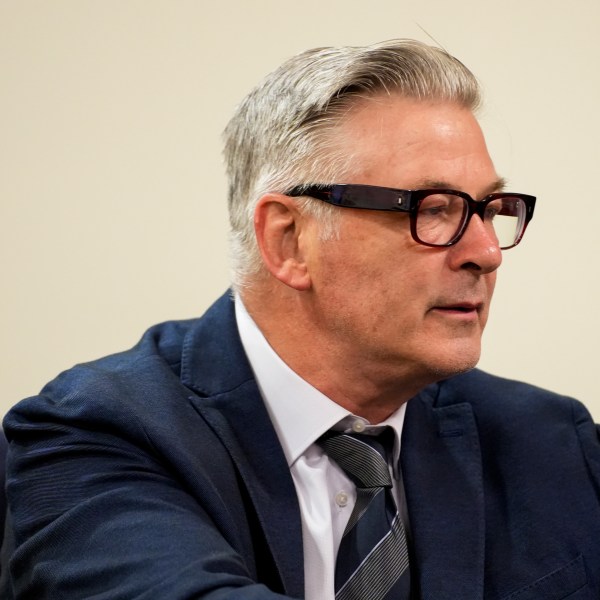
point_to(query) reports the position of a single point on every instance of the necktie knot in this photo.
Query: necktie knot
(364, 458)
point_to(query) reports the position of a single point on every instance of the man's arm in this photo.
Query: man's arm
(97, 512)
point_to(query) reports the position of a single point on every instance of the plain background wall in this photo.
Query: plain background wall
(112, 193)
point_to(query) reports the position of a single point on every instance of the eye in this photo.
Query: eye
(501, 206)
(433, 210)
(440, 206)
(492, 209)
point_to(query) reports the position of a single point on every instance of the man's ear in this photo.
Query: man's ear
(281, 234)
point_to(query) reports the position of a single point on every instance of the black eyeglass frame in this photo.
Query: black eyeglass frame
(372, 197)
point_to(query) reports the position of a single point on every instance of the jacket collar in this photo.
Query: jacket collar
(215, 366)
(213, 360)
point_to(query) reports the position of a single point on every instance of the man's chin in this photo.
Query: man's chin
(455, 364)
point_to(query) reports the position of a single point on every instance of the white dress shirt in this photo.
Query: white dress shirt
(301, 414)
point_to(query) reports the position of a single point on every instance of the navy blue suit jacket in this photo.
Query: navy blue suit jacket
(156, 473)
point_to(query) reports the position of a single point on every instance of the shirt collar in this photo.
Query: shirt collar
(300, 413)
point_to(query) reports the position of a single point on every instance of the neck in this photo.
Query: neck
(370, 389)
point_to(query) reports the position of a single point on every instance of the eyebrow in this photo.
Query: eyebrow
(499, 185)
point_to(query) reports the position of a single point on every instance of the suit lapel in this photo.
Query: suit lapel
(441, 465)
(215, 366)
(255, 450)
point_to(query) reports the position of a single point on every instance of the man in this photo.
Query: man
(225, 457)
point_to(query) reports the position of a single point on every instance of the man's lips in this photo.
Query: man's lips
(459, 308)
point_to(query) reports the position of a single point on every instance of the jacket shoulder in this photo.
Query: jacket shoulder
(512, 415)
(490, 394)
(109, 388)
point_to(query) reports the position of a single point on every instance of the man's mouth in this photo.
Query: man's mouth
(461, 307)
(465, 308)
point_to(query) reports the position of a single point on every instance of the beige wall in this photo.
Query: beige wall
(112, 192)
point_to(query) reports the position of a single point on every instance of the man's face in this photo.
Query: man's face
(397, 309)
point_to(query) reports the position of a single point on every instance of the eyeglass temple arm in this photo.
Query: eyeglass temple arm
(359, 196)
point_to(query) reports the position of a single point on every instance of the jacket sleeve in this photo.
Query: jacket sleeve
(97, 514)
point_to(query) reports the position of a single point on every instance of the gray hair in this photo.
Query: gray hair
(280, 135)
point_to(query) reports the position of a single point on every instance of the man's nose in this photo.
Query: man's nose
(477, 249)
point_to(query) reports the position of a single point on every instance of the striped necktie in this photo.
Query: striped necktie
(372, 561)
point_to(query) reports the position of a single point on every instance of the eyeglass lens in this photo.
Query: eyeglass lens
(441, 218)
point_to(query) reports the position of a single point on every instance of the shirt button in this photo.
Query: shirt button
(358, 426)
(341, 499)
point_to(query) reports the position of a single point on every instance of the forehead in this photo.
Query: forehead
(402, 142)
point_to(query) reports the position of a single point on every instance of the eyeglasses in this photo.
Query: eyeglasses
(438, 217)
